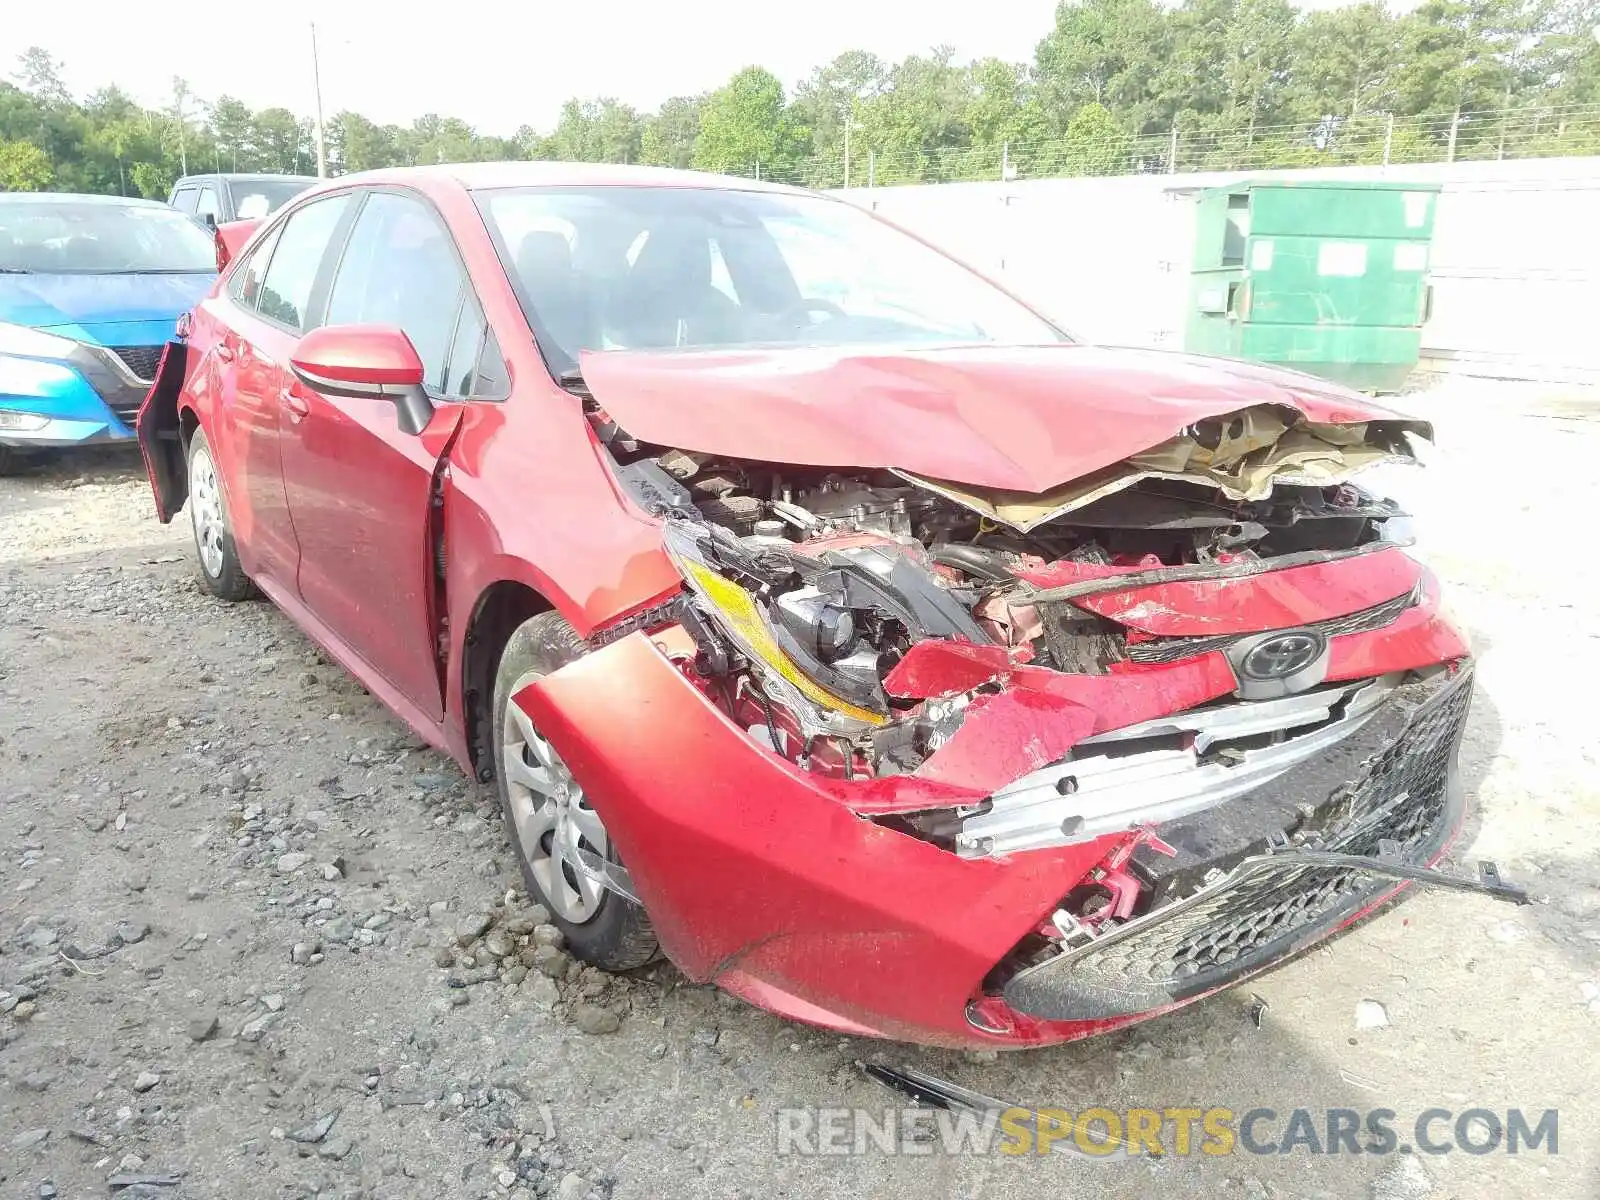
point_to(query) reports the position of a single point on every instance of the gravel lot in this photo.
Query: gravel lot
(236, 898)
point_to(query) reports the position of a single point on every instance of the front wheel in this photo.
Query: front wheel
(549, 818)
(213, 532)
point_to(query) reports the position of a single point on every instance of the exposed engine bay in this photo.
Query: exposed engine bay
(811, 585)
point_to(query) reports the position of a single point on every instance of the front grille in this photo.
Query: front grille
(1266, 908)
(141, 360)
(1171, 649)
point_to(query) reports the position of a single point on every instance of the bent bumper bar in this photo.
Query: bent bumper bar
(1111, 784)
(1404, 800)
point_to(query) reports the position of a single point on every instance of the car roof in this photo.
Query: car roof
(485, 175)
(247, 177)
(77, 198)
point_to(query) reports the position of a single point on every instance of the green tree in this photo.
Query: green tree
(1104, 52)
(39, 73)
(745, 125)
(279, 141)
(154, 180)
(1094, 144)
(1246, 84)
(829, 103)
(233, 126)
(917, 125)
(118, 138)
(1465, 57)
(666, 137)
(23, 168)
(603, 130)
(1344, 62)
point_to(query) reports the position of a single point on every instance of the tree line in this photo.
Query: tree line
(1115, 86)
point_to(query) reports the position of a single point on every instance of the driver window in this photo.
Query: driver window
(400, 268)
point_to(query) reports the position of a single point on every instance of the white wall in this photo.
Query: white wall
(1516, 254)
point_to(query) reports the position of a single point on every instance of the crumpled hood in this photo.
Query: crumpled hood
(1022, 419)
(74, 305)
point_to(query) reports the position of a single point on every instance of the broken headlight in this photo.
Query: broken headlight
(717, 570)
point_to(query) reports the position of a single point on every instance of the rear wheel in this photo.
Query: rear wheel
(213, 533)
(549, 818)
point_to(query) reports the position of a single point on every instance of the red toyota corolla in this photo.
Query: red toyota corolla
(827, 619)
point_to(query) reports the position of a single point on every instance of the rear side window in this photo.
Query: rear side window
(244, 285)
(290, 276)
(400, 268)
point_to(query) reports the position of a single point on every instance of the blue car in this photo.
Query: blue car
(91, 289)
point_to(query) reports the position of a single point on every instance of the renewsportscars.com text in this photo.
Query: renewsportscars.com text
(1103, 1132)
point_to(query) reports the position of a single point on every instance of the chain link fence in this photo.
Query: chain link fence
(1541, 132)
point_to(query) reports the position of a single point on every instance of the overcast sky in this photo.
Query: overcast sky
(497, 64)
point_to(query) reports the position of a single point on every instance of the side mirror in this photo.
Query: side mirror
(209, 220)
(373, 362)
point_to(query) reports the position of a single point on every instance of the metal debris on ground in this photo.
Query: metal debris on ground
(924, 1089)
(1258, 1008)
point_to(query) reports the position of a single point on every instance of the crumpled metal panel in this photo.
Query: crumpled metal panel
(1015, 418)
(1262, 911)
(1165, 650)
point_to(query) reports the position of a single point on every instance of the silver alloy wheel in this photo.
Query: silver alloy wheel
(205, 510)
(552, 816)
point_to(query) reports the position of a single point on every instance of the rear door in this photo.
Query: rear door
(275, 296)
(360, 491)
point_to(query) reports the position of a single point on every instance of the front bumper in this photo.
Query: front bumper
(1392, 785)
(87, 397)
(777, 884)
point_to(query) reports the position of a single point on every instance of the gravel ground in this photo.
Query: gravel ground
(255, 941)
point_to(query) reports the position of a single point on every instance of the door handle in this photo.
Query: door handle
(224, 352)
(299, 408)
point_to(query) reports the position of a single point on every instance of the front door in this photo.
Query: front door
(360, 491)
(274, 295)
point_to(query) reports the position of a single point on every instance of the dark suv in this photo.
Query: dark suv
(213, 199)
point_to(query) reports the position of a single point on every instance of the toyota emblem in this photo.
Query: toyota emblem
(1282, 656)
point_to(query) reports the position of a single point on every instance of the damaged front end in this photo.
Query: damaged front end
(1189, 675)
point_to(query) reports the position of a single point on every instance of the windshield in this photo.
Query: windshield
(601, 268)
(258, 197)
(84, 238)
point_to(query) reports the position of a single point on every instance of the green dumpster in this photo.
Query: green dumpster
(1328, 277)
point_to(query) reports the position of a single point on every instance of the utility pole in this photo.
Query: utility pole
(1172, 151)
(316, 84)
(872, 168)
(180, 92)
(847, 125)
(1388, 138)
(1505, 114)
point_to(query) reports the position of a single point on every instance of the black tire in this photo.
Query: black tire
(619, 936)
(223, 577)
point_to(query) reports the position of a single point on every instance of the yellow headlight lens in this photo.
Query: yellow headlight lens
(743, 620)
